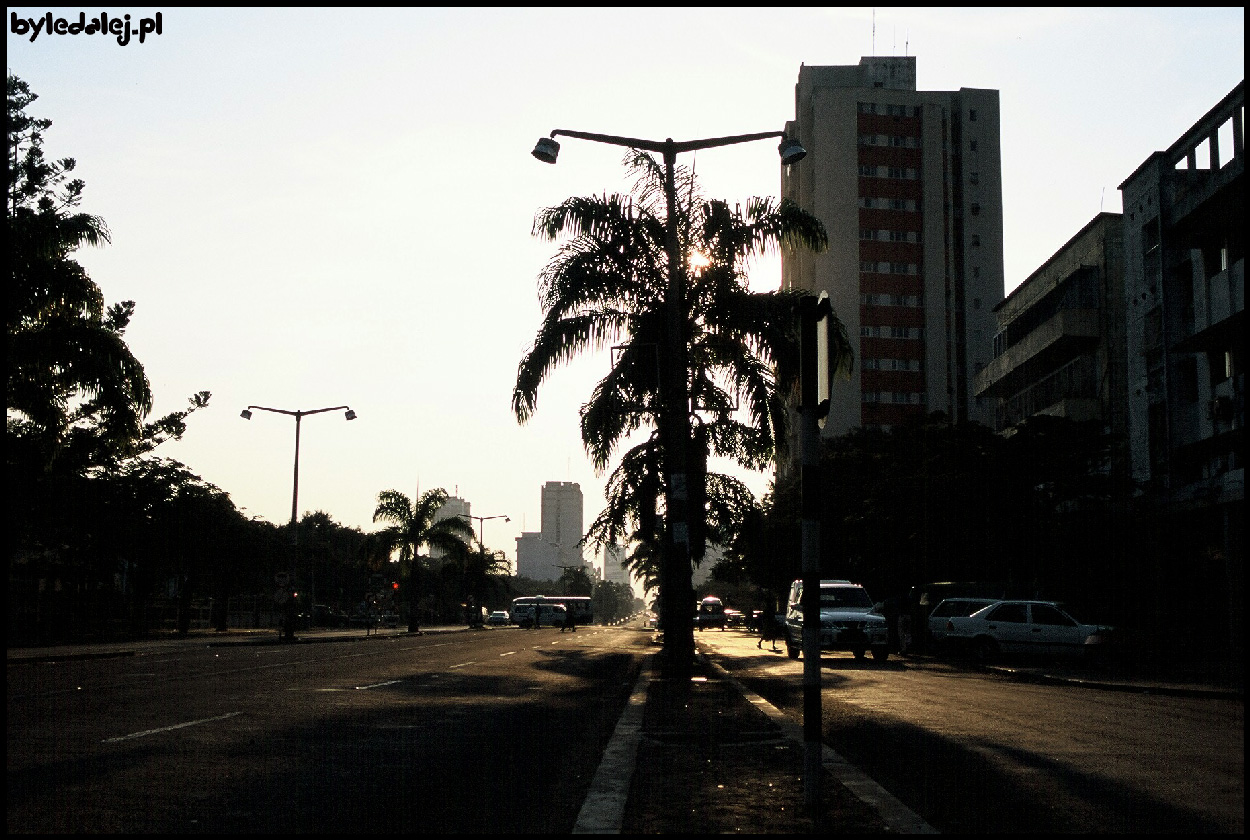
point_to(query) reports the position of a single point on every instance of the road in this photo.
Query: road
(501, 731)
(977, 753)
(497, 731)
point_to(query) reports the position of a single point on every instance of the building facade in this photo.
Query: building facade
(543, 555)
(1059, 343)
(908, 185)
(1184, 260)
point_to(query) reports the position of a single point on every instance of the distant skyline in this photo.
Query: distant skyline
(325, 207)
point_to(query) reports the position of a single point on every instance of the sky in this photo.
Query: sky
(319, 207)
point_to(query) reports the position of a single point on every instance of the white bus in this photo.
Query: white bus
(523, 609)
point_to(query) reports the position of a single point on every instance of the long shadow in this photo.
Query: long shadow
(458, 752)
(964, 785)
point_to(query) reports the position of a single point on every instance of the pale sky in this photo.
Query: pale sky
(315, 208)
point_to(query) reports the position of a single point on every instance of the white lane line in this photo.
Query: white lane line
(376, 685)
(167, 728)
(462, 664)
(509, 653)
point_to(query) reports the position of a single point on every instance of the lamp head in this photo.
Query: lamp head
(349, 414)
(791, 151)
(245, 414)
(546, 149)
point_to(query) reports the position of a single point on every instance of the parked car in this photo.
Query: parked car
(946, 609)
(734, 618)
(847, 621)
(388, 619)
(1025, 627)
(327, 616)
(498, 618)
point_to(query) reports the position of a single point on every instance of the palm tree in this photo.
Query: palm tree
(412, 527)
(606, 286)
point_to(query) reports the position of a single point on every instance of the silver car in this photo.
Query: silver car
(1025, 627)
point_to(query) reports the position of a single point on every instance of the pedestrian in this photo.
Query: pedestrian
(569, 620)
(768, 626)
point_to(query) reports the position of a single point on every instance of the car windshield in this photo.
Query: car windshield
(842, 597)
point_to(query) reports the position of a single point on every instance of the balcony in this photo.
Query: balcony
(1068, 334)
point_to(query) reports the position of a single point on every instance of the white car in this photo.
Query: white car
(1026, 627)
(847, 621)
(951, 607)
(498, 618)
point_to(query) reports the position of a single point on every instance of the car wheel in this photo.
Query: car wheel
(859, 654)
(880, 654)
(985, 649)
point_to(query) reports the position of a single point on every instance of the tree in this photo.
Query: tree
(607, 285)
(77, 400)
(413, 526)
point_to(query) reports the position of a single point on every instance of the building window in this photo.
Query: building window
(972, 145)
(976, 240)
(976, 209)
(972, 115)
(974, 178)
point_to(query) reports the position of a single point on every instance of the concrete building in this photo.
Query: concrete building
(453, 507)
(541, 555)
(908, 184)
(614, 569)
(1059, 344)
(1184, 282)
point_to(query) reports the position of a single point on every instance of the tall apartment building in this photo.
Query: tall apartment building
(541, 555)
(453, 507)
(908, 184)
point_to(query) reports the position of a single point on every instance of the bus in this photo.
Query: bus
(523, 608)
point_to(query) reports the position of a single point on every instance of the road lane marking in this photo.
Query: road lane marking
(376, 685)
(462, 664)
(168, 728)
(509, 653)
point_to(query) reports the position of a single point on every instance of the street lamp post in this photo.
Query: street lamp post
(288, 628)
(676, 588)
(481, 524)
(481, 544)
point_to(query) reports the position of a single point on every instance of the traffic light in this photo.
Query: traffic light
(394, 586)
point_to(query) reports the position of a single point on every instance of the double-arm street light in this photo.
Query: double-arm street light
(288, 630)
(676, 589)
(481, 524)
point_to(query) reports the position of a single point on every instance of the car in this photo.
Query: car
(388, 619)
(1025, 627)
(327, 616)
(735, 618)
(498, 618)
(710, 613)
(948, 608)
(847, 621)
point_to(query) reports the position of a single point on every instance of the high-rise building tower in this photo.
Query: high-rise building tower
(562, 520)
(541, 555)
(908, 184)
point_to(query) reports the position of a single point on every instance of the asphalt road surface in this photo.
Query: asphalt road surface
(973, 752)
(494, 731)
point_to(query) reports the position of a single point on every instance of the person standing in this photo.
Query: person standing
(768, 626)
